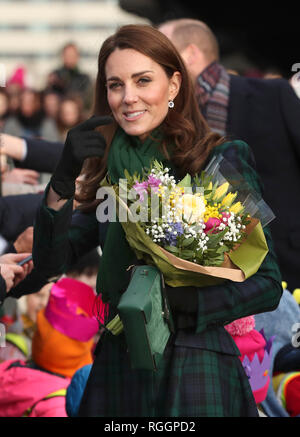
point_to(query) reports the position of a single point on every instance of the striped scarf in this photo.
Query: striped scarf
(212, 93)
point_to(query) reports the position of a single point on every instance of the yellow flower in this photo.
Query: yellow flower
(228, 199)
(211, 212)
(175, 195)
(221, 190)
(192, 209)
(236, 208)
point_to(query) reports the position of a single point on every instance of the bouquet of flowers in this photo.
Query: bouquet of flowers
(199, 231)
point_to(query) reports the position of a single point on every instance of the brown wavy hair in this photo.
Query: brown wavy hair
(184, 126)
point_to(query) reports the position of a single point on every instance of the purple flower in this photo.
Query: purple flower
(171, 236)
(154, 183)
(141, 188)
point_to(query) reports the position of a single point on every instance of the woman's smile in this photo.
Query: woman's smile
(131, 116)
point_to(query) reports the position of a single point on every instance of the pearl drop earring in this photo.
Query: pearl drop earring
(171, 104)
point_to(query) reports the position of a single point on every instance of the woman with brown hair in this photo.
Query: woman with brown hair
(145, 105)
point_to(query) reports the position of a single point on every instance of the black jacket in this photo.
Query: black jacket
(265, 114)
(42, 155)
(17, 212)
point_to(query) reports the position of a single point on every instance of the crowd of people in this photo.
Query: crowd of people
(49, 112)
(55, 346)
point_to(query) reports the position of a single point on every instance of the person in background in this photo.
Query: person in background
(76, 389)
(50, 103)
(20, 181)
(11, 273)
(62, 344)
(283, 323)
(265, 114)
(31, 153)
(69, 114)
(29, 119)
(4, 107)
(34, 303)
(17, 214)
(69, 79)
(14, 86)
(86, 269)
(20, 323)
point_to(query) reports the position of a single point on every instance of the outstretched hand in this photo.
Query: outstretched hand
(82, 142)
(11, 272)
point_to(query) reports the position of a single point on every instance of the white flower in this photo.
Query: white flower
(191, 208)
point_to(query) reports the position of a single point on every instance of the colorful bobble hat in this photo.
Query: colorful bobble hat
(288, 392)
(63, 340)
(256, 354)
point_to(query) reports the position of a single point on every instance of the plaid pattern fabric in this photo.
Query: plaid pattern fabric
(190, 382)
(219, 305)
(212, 93)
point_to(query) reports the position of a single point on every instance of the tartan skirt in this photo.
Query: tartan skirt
(189, 382)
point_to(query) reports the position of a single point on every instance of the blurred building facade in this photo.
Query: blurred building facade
(32, 33)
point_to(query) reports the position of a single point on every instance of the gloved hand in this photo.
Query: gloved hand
(82, 142)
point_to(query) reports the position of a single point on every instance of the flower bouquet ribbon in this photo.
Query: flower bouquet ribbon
(198, 232)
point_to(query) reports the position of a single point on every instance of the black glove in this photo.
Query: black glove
(82, 142)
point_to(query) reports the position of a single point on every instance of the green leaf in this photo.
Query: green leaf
(187, 242)
(223, 249)
(127, 174)
(185, 182)
(172, 249)
(188, 254)
(214, 239)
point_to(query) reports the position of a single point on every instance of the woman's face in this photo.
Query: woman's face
(138, 91)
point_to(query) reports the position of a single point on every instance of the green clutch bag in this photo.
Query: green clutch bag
(146, 317)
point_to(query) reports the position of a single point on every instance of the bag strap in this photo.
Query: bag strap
(166, 308)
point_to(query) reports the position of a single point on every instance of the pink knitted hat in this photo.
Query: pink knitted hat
(256, 353)
(18, 77)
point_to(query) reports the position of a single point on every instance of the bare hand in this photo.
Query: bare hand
(21, 176)
(13, 258)
(12, 146)
(11, 272)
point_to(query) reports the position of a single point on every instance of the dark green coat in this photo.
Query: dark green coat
(201, 374)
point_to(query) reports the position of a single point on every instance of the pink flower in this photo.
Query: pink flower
(154, 183)
(211, 223)
(141, 188)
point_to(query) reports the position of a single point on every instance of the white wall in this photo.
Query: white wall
(32, 33)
